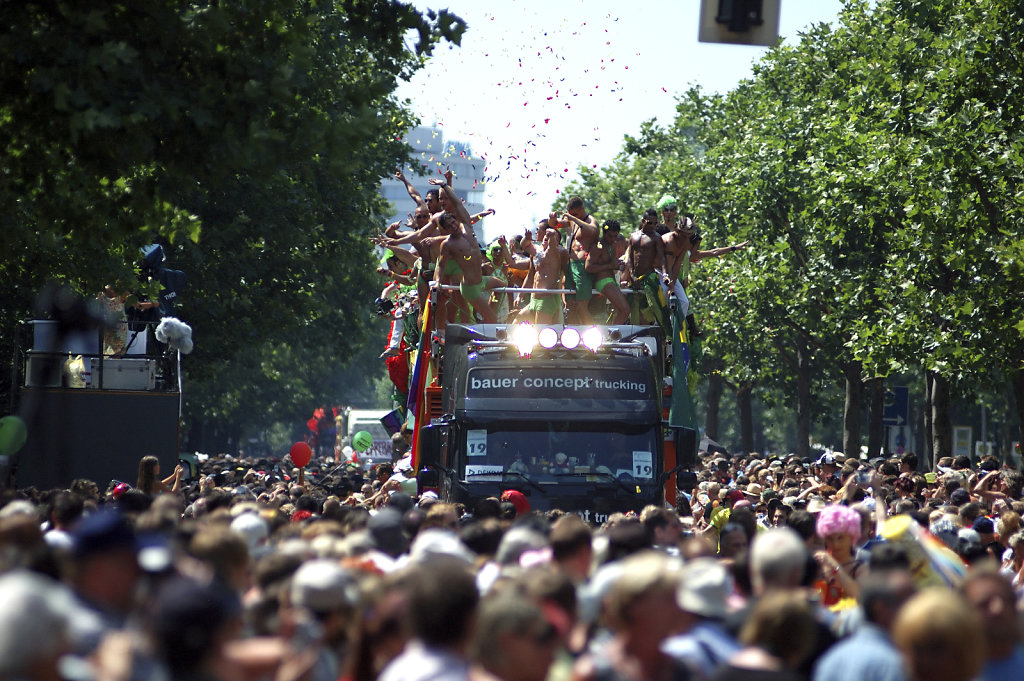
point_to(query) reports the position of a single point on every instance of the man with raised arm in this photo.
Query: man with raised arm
(582, 229)
(602, 265)
(682, 248)
(427, 243)
(549, 262)
(462, 248)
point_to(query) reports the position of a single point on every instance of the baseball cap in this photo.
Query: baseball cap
(959, 497)
(983, 525)
(103, 531)
(517, 499)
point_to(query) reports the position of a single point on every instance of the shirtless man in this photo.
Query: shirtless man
(548, 265)
(645, 254)
(583, 234)
(682, 248)
(602, 264)
(427, 242)
(462, 248)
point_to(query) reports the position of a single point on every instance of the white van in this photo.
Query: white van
(369, 420)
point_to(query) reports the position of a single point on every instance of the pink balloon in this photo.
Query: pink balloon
(301, 454)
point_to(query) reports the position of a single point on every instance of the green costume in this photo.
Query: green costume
(607, 281)
(582, 280)
(548, 305)
(451, 268)
(471, 291)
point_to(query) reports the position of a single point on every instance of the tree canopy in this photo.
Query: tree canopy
(248, 138)
(876, 168)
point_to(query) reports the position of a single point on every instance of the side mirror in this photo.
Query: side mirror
(432, 436)
(686, 447)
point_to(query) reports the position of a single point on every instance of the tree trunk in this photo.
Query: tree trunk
(714, 401)
(744, 403)
(929, 385)
(1017, 379)
(876, 431)
(803, 390)
(851, 409)
(942, 427)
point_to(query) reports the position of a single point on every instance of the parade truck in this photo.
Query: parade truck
(573, 417)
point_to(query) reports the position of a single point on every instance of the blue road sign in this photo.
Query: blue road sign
(897, 406)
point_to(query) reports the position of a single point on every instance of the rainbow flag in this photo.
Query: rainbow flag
(422, 374)
(932, 563)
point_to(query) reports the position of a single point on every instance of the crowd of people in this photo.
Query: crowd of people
(774, 567)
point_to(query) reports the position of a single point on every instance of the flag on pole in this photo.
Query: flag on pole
(421, 377)
(682, 411)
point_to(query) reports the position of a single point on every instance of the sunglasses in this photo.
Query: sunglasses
(669, 209)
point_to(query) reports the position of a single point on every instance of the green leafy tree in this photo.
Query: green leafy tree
(248, 138)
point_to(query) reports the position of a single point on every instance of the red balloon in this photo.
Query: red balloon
(301, 454)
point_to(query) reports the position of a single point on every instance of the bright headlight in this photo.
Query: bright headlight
(593, 338)
(525, 339)
(547, 337)
(570, 338)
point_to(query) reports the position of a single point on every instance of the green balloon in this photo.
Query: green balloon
(362, 441)
(13, 435)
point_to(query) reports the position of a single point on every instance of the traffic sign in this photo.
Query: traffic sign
(897, 406)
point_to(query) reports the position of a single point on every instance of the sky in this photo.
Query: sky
(539, 87)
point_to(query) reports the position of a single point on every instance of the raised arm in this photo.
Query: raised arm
(627, 272)
(588, 227)
(481, 215)
(717, 252)
(413, 194)
(410, 238)
(460, 208)
(528, 245)
(407, 257)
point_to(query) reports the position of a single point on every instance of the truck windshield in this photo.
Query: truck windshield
(543, 450)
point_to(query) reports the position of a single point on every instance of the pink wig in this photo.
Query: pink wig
(838, 519)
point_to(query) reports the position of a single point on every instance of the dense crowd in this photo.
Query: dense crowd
(773, 568)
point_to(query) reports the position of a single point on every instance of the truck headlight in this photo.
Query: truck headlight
(547, 337)
(524, 337)
(593, 338)
(570, 338)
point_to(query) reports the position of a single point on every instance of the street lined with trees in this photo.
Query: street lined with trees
(876, 168)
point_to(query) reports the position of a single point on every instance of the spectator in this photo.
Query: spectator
(839, 527)
(869, 654)
(149, 481)
(642, 612)
(442, 606)
(940, 637)
(993, 600)
(702, 596)
(778, 638)
(512, 640)
(192, 625)
(33, 627)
